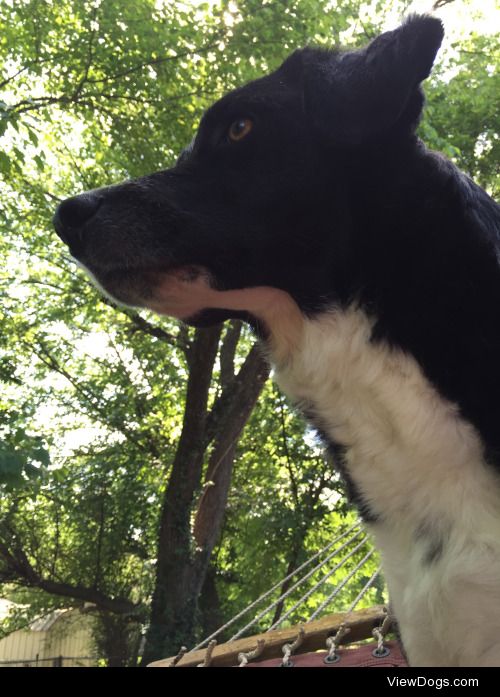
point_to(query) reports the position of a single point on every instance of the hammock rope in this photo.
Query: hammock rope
(341, 585)
(354, 527)
(318, 585)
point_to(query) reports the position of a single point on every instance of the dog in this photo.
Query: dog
(369, 267)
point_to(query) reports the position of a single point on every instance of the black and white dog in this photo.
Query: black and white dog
(369, 266)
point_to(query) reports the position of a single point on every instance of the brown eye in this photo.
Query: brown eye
(239, 129)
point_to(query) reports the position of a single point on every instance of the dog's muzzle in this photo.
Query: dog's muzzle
(71, 217)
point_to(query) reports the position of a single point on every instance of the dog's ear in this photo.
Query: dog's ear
(357, 95)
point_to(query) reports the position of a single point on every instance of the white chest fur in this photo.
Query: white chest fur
(420, 468)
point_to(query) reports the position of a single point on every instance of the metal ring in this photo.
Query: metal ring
(331, 659)
(381, 653)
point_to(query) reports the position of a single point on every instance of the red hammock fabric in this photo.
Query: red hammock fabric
(361, 657)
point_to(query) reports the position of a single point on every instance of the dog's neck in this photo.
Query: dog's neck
(417, 468)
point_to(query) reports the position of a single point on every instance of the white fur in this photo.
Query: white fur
(420, 467)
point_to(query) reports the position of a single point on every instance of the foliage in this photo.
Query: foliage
(464, 100)
(93, 397)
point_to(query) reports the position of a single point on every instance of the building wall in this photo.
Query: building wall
(66, 641)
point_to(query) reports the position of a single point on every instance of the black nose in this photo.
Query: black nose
(73, 213)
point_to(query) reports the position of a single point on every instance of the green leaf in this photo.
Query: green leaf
(4, 163)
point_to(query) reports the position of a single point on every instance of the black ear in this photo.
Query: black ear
(356, 95)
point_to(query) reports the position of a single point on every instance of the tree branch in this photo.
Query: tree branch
(100, 535)
(441, 3)
(288, 459)
(211, 507)
(227, 352)
(155, 61)
(20, 566)
(90, 51)
(141, 324)
(220, 408)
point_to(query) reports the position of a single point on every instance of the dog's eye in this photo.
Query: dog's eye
(239, 129)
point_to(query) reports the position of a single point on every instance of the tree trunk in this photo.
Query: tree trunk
(173, 604)
(211, 617)
(116, 639)
(184, 554)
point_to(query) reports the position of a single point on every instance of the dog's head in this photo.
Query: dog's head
(264, 195)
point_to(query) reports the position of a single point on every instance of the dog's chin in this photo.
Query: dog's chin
(190, 294)
(180, 292)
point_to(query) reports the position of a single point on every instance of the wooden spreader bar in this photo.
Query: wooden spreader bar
(360, 622)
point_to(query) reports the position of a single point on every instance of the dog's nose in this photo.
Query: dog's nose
(73, 213)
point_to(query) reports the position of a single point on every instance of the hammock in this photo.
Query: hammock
(319, 642)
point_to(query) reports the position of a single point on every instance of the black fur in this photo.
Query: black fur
(354, 496)
(432, 541)
(330, 197)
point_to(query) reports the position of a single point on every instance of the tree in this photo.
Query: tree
(166, 493)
